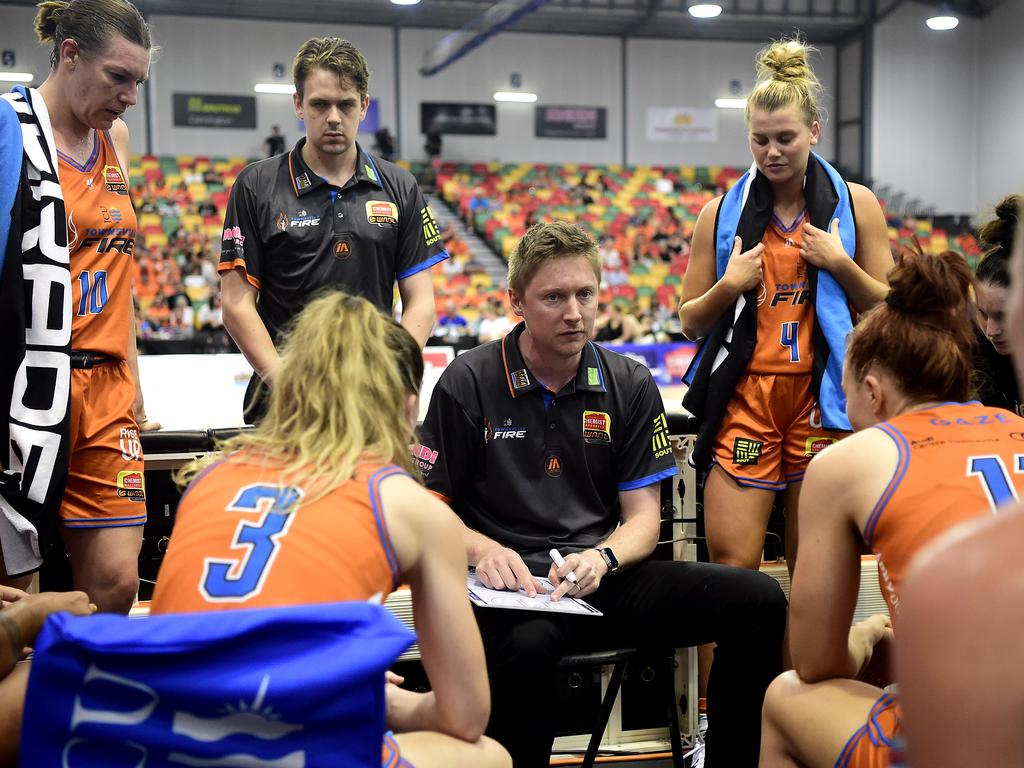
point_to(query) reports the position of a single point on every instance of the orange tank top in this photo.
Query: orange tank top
(101, 244)
(244, 538)
(785, 306)
(957, 461)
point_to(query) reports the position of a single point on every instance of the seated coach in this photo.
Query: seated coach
(545, 440)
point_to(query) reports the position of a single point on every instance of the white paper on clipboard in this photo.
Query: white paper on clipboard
(518, 601)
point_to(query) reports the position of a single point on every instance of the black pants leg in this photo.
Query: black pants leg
(677, 604)
(657, 604)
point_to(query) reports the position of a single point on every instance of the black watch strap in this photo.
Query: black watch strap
(609, 558)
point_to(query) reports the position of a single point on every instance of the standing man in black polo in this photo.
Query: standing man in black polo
(325, 215)
(544, 439)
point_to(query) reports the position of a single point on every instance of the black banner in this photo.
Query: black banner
(206, 110)
(473, 119)
(570, 122)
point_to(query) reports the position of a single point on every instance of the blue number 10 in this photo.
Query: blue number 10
(236, 580)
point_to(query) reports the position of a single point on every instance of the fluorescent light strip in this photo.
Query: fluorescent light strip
(942, 23)
(524, 97)
(731, 103)
(405, 2)
(283, 88)
(705, 10)
(17, 77)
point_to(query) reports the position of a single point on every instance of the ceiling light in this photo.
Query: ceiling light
(942, 23)
(17, 77)
(705, 10)
(524, 97)
(285, 88)
(405, 2)
(731, 103)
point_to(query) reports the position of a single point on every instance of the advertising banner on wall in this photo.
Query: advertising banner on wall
(682, 124)
(471, 119)
(207, 110)
(570, 122)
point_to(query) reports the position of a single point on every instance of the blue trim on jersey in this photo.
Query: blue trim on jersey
(136, 524)
(435, 259)
(91, 162)
(643, 482)
(847, 752)
(12, 149)
(902, 462)
(373, 484)
(206, 470)
(748, 482)
(780, 225)
(548, 396)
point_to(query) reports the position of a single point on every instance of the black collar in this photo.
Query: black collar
(305, 180)
(590, 376)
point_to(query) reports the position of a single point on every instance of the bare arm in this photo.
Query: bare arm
(827, 577)
(863, 278)
(121, 140)
(245, 326)
(417, 292)
(425, 534)
(705, 297)
(633, 541)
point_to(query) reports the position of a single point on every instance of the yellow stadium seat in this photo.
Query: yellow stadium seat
(150, 220)
(191, 221)
(198, 192)
(156, 240)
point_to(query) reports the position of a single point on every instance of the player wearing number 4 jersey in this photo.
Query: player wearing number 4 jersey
(317, 505)
(922, 464)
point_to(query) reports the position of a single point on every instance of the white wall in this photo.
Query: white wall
(1000, 107)
(16, 34)
(227, 56)
(563, 71)
(693, 73)
(924, 105)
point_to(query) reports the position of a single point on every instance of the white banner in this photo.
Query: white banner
(682, 124)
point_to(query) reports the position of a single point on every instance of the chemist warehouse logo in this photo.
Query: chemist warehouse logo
(382, 213)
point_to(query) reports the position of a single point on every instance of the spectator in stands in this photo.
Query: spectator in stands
(765, 383)
(274, 143)
(616, 325)
(451, 324)
(212, 176)
(182, 317)
(336, 438)
(385, 144)
(206, 208)
(274, 212)
(493, 323)
(452, 267)
(577, 470)
(997, 385)
(918, 472)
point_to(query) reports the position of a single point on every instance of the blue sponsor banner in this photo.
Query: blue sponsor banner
(667, 362)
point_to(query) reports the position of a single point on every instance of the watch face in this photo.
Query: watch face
(609, 558)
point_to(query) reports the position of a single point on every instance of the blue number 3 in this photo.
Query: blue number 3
(236, 580)
(994, 478)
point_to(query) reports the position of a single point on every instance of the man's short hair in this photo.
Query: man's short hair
(335, 55)
(545, 242)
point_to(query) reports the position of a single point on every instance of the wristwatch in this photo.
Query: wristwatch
(609, 558)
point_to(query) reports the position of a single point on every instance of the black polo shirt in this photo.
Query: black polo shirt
(293, 233)
(533, 470)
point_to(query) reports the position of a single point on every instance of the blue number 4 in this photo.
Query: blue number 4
(994, 478)
(236, 580)
(791, 339)
(94, 292)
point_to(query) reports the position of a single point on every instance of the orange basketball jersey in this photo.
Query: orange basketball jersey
(243, 538)
(785, 306)
(101, 243)
(957, 461)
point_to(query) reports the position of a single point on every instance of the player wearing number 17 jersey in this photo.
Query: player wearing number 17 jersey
(923, 462)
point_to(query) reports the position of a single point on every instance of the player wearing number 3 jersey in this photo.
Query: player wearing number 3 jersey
(923, 462)
(318, 505)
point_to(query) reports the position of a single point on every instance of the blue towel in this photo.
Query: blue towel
(725, 352)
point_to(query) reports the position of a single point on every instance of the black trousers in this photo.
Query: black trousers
(656, 604)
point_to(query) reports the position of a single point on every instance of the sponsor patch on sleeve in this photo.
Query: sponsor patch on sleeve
(660, 444)
(431, 234)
